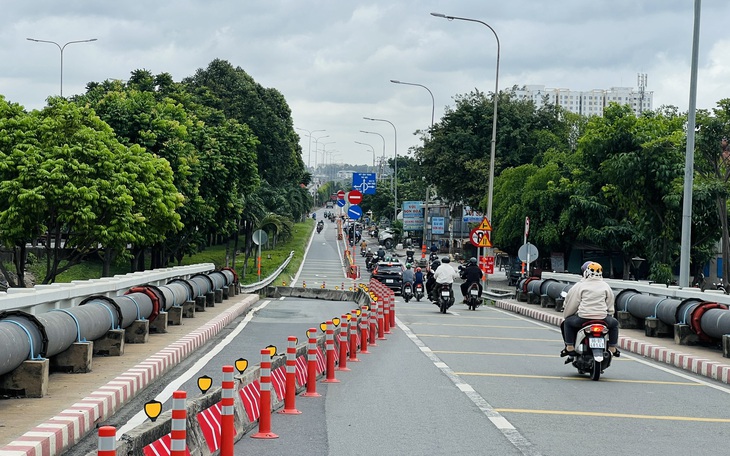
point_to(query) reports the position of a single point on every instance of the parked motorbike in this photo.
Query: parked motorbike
(444, 298)
(473, 300)
(407, 291)
(418, 292)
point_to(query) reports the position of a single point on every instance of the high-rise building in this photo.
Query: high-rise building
(590, 102)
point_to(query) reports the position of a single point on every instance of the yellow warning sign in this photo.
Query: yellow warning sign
(485, 225)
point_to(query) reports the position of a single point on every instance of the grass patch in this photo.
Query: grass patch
(216, 254)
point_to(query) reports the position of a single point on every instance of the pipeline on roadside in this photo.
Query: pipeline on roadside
(65, 339)
(689, 315)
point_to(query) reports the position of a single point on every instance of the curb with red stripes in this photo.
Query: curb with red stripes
(71, 425)
(692, 363)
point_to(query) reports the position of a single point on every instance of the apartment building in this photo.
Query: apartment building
(588, 103)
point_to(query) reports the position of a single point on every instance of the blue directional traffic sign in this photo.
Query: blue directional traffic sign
(365, 182)
(354, 212)
(341, 203)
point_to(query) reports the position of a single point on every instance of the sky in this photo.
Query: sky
(333, 59)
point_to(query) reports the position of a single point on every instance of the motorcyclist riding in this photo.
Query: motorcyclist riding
(407, 277)
(471, 274)
(445, 274)
(381, 253)
(589, 299)
(417, 277)
(368, 257)
(430, 281)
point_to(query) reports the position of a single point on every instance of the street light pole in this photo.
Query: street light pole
(395, 167)
(309, 153)
(381, 137)
(316, 150)
(61, 48)
(324, 152)
(433, 101)
(493, 148)
(371, 148)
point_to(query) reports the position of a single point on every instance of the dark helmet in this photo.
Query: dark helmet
(472, 260)
(445, 259)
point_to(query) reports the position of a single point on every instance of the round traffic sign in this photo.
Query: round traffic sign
(354, 197)
(528, 250)
(341, 202)
(354, 212)
(479, 238)
(341, 194)
(260, 237)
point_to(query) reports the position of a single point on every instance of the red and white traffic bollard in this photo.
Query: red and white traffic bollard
(312, 365)
(381, 319)
(329, 343)
(386, 312)
(392, 309)
(364, 317)
(353, 337)
(228, 428)
(265, 400)
(373, 323)
(178, 433)
(344, 333)
(107, 441)
(290, 395)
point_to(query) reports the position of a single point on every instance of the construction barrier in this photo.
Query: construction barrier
(312, 365)
(290, 397)
(364, 328)
(330, 346)
(353, 337)
(178, 434)
(107, 441)
(344, 330)
(228, 428)
(265, 401)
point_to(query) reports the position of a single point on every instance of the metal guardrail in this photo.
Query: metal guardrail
(257, 286)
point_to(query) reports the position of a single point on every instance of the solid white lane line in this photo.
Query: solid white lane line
(501, 423)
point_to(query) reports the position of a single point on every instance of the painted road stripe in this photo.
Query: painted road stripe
(532, 328)
(558, 377)
(453, 336)
(531, 355)
(501, 423)
(617, 415)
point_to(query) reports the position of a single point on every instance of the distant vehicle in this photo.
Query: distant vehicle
(329, 204)
(386, 238)
(390, 274)
(514, 271)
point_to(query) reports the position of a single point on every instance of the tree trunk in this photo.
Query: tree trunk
(722, 212)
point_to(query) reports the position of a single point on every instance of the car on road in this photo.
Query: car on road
(389, 273)
(386, 238)
(329, 204)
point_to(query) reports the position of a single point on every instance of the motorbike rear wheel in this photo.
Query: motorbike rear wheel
(596, 371)
(443, 305)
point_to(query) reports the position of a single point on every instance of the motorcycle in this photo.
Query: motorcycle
(473, 300)
(409, 256)
(407, 291)
(369, 263)
(445, 300)
(319, 227)
(591, 346)
(363, 251)
(418, 293)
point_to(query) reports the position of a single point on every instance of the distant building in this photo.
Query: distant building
(588, 103)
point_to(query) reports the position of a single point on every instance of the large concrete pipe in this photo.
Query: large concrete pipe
(684, 311)
(21, 337)
(644, 306)
(553, 288)
(715, 323)
(202, 283)
(533, 286)
(175, 294)
(219, 279)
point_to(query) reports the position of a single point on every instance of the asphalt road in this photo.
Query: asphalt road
(469, 383)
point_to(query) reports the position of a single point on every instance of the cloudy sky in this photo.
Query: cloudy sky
(333, 59)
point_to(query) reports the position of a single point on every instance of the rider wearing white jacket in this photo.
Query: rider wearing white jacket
(589, 299)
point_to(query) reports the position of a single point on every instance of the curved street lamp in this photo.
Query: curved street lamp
(371, 148)
(61, 48)
(433, 101)
(381, 137)
(316, 149)
(309, 135)
(494, 117)
(395, 167)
